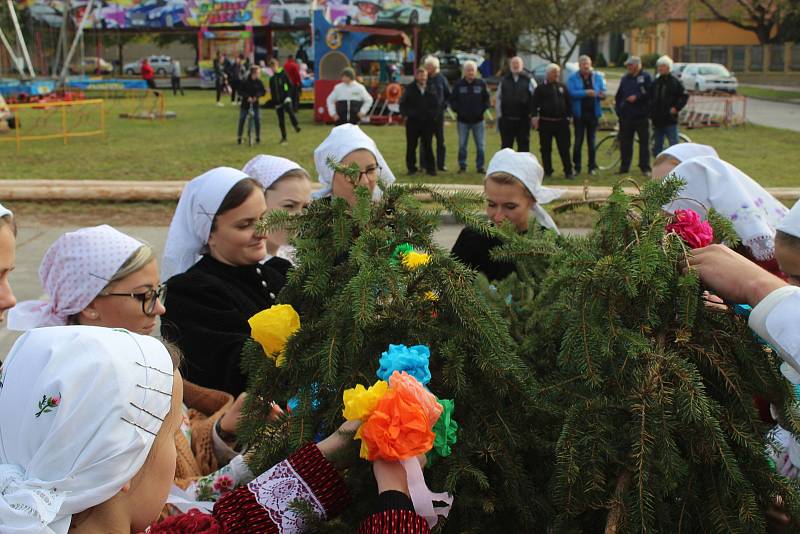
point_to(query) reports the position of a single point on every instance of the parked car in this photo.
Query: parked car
(402, 15)
(157, 14)
(677, 69)
(450, 66)
(92, 65)
(708, 77)
(539, 74)
(289, 12)
(161, 65)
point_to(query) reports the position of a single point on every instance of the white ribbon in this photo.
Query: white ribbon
(184, 501)
(422, 497)
(24, 505)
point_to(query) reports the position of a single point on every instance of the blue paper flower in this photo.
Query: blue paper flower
(412, 360)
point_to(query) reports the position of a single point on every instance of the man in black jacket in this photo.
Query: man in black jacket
(669, 98)
(280, 89)
(442, 89)
(470, 100)
(234, 72)
(632, 103)
(419, 104)
(251, 89)
(551, 109)
(513, 106)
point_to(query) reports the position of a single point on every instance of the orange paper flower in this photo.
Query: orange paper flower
(398, 429)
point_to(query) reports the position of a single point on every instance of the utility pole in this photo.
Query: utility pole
(688, 57)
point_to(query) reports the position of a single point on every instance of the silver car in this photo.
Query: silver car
(161, 65)
(703, 77)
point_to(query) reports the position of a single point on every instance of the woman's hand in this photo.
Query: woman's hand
(336, 448)
(230, 421)
(391, 476)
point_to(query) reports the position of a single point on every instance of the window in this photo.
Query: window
(713, 70)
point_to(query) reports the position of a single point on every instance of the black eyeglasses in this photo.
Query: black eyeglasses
(372, 173)
(148, 299)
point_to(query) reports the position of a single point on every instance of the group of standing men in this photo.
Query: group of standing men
(549, 108)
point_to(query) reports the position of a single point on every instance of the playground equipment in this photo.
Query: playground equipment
(65, 120)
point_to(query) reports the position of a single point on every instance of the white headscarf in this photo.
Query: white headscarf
(268, 169)
(340, 142)
(791, 223)
(73, 271)
(525, 167)
(5, 211)
(686, 151)
(79, 410)
(713, 183)
(191, 225)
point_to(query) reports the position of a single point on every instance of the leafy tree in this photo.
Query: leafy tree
(656, 426)
(354, 299)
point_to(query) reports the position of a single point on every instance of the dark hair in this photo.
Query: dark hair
(290, 56)
(236, 197)
(349, 72)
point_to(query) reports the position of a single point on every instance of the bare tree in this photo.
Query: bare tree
(762, 17)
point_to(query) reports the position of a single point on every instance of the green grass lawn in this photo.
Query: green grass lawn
(770, 94)
(204, 136)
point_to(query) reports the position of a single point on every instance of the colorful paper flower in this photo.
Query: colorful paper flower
(398, 429)
(431, 296)
(399, 251)
(414, 392)
(413, 360)
(360, 402)
(272, 327)
(446, 430)
(695, 232)
(414, 260)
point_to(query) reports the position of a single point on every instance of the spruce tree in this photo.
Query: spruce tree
(356, 293)
(655, 425)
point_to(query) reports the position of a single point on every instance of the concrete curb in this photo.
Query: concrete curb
(131, 190)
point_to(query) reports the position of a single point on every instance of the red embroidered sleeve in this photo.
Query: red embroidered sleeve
(395, 521)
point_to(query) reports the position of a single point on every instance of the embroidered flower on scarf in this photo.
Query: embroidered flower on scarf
(272, 327)
(223, 484)
(48, 404)
(695, 232)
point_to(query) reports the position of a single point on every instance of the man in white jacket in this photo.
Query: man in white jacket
(349, 101)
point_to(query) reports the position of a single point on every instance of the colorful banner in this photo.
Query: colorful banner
(165, 14)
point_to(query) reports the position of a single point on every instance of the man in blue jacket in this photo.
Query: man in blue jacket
(470, 100)
(633, 110)
(587, 89)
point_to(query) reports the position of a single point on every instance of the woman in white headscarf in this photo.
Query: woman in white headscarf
(674, 155)
(287, 186)
(99, 276)
(755, 214)
(345, 145)
(215, 279)
(514, 192)
(87, 416)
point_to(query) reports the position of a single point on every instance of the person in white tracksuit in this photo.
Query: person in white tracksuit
(349, 102)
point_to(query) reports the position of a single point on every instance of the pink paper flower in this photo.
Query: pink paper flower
(695, 232)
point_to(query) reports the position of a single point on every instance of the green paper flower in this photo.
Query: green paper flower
(445, 431)
(399, 251)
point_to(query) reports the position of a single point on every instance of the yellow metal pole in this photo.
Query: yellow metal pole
(64, 123)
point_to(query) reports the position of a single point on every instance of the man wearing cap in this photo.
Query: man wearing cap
(633, 109)
(669, 98)
(349, 101)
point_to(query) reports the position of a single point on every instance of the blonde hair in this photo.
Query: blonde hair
(294, 173)
(135, 262)
(504, 178)
(661, 158)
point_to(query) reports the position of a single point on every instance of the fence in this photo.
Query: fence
(56, 120)
(773, 58)
(131, 103)
(710, 110)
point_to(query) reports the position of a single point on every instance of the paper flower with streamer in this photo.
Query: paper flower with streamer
(694, 231)
(272, 327)
(445, 431)
(413, 360)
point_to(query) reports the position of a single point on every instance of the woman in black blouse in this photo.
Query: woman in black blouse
(513, 190)
(215, 281)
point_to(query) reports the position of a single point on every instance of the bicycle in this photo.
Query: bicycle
(250, 123)
(607, 152)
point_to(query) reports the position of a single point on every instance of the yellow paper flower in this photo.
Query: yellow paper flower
(431, 296)
(359, 402)
(272, 328)
(413, 260)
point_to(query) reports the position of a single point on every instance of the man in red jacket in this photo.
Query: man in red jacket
(292, 70)
(148, 75)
